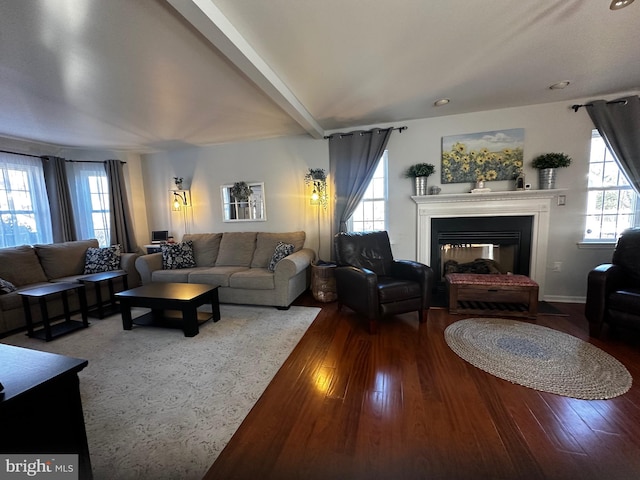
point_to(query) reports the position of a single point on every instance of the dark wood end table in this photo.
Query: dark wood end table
(49, 331)
(162, 298)
(108, 307)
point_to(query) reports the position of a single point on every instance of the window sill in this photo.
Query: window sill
(599, 245)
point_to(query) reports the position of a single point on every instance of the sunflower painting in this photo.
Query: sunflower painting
(486, 156)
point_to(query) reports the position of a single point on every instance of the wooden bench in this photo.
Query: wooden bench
(489, 294)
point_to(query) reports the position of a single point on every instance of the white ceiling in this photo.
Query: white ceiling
(157, 74)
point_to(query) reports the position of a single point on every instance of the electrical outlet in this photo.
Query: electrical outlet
(557, 267)
(562, 200)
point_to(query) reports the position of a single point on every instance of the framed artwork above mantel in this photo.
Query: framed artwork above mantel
(486, 156)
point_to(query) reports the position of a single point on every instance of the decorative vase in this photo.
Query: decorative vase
(547, 178)
(421, 186)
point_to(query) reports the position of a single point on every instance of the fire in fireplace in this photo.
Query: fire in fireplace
(500, 244)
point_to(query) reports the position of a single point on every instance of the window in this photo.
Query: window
(90, 197)
(25, 218)
(370, 214)
(612, 205)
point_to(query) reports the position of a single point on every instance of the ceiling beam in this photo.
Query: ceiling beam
(211, 23)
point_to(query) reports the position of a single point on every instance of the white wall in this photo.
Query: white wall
(282, 162)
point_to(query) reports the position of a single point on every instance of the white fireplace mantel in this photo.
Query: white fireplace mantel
(535, 203)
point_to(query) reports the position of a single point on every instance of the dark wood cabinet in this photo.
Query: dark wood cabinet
(40, 406)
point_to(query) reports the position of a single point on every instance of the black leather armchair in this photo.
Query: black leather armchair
(372, 283)
(613, 289)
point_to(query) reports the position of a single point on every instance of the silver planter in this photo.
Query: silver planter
(421, 186)
(547, 178)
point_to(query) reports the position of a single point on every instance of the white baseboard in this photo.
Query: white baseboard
(564, 299)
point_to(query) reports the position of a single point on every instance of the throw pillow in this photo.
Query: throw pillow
(6, 286)
(282, 250)
(99, 260)
(178, 255)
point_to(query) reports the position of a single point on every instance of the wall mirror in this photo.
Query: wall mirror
(243, 207)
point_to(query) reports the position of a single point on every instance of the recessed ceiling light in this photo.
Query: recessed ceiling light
(442, 101)
(560, 85)
(618, 4)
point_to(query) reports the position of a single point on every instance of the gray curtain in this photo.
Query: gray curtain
(619, 125)
(353, 158)
(55, 179)
(121, 220)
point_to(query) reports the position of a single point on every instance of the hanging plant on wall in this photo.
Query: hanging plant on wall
(318, 178)
(241, 191)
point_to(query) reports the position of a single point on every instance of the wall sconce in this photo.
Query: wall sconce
(180, 202)
(315, 197)
(179, 199)
(318, 179)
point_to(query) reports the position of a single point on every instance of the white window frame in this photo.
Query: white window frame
(364, 216)
(90, 197)
(23, 201)
(606, 177)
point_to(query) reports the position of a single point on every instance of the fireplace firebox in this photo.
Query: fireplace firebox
(502, 242)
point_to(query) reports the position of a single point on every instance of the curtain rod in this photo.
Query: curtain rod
(41, 156)
(18, 153)
(577, 107)
(91, 161)
(400, 129)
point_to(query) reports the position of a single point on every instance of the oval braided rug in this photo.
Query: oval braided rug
(538, 357)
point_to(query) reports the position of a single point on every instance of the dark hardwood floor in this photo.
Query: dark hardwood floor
(402, 405)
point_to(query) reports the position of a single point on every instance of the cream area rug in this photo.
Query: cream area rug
(159, 405)
(538, 357)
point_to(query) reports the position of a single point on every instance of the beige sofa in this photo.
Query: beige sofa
(33, 266)
(238, 262)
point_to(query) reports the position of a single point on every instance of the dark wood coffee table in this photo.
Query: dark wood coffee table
(163, 298)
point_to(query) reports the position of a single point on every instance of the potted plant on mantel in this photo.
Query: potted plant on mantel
(547, 163)
(420, 172)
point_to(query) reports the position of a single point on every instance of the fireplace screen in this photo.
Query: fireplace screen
(477, 258)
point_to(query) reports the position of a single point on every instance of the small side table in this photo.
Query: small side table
(49, 332)
(105, 307)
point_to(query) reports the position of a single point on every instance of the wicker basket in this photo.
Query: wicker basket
(323, 282)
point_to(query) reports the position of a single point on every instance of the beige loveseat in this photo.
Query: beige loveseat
(33, 266)
(238, 262)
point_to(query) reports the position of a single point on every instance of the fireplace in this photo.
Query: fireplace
(503, 243)
(487, 225)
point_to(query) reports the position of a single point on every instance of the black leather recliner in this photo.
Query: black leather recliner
(372, 283)
(613, 289)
